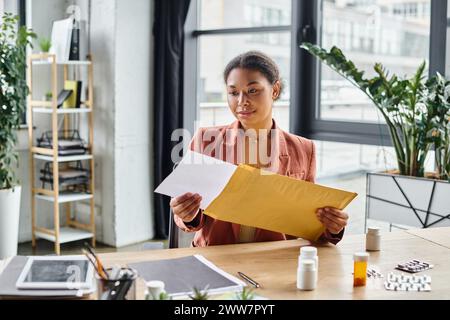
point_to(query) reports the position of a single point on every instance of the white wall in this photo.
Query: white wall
(122, 53)
(133, 115)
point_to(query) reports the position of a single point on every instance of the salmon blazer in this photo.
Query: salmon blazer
(290, 155)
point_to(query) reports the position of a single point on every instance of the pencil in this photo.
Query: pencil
(93, 262)
(99, 263)
(99, 266)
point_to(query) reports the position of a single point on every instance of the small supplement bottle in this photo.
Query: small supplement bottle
(373, 239)
(360, 268)
(154, 289)
(307, 275)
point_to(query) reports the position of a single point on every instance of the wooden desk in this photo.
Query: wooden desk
(274, 265)
(441, 237)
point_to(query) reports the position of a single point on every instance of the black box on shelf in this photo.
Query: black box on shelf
(69, 142)
(72, 178)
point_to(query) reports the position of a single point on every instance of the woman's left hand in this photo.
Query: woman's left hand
(333, 219)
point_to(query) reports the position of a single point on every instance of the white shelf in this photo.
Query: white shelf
(70, 62)
(63, 198)
(64, 158)
(61, 111)
(66, 234)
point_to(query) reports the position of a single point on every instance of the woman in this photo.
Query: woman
(253, 84)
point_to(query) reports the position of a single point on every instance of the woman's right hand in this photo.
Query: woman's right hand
(186, 206)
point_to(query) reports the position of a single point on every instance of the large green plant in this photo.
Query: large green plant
(13, 92)
(438, 99)
(400, 101)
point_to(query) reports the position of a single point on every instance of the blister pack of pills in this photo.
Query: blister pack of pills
(414, 266)
(373, 273)
(401, 282)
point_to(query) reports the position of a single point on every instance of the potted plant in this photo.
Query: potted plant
(416, 111)
(13, 93)
(45, 44)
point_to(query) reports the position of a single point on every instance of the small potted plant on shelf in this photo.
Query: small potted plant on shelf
(48, 96)
(13, 93)
(45, 44)
(417, 113)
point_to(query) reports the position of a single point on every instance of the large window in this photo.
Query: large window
(221, 14)
(317, 103)
(395, 33)
(350, 136)
(226, 28)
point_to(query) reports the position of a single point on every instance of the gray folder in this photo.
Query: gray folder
(181, 275)
(8, 279)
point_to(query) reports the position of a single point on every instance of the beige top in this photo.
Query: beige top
(246, 234)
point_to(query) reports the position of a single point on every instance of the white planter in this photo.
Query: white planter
(9, 221)
(409, 201)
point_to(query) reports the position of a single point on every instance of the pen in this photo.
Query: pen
(249, 280)
(100, 268)
(93, 262)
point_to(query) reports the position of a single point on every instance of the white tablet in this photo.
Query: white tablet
(56, 272)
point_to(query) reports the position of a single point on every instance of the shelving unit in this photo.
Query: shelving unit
(73, 230)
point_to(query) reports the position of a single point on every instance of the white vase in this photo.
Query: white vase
(408, 201)
(9, 221)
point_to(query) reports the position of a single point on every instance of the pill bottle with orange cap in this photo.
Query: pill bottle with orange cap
(360, 268)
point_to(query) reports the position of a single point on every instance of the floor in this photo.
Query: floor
(44, 247)
(353, 182)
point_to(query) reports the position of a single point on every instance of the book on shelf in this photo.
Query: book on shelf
(69, 40)
(74, 53)
(63, 96)
(74, 100)
(61, 38)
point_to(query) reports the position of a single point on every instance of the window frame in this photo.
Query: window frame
(306, 72)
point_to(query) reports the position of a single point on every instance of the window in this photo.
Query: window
(227, 28)
(222, 14)
(350, 137)
(447, 65)
(317, 103)
(391, 32)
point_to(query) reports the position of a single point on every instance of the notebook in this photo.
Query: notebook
(181, 275)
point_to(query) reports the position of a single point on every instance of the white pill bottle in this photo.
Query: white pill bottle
(373, 239)
(307, 273)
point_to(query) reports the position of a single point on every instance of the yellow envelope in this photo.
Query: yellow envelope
(261, 199)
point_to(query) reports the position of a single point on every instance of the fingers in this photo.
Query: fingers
(331, 225)
(180, 199)
(186, 206)
(191, 212)
(335, 212)
(333, 219)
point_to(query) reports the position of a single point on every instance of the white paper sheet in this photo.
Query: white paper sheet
(200, 174)
(61, 38)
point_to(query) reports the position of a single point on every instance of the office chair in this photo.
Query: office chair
(173, 232)
(173, 228)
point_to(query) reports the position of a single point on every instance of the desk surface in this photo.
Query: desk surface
(274, 264)
(442, 237)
